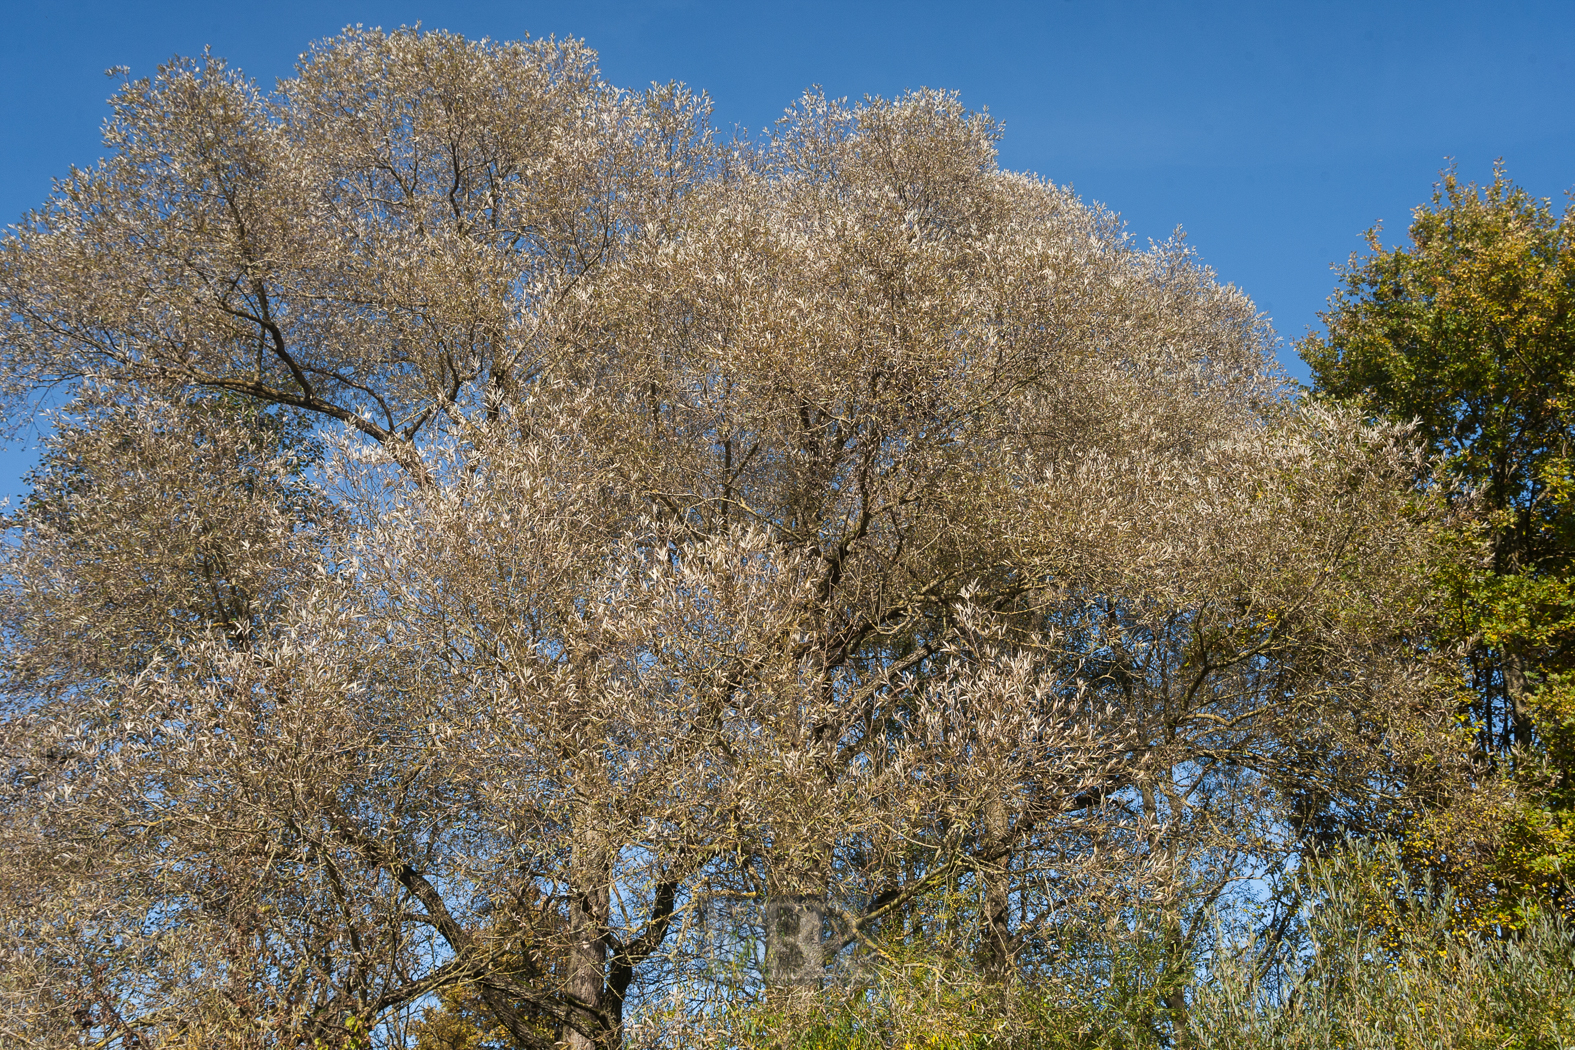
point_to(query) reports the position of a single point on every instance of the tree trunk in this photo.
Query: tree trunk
(588, 915)
(1176, 966)
(995, 947)
(1517, 726)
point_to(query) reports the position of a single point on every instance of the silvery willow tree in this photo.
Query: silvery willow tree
(500, 538)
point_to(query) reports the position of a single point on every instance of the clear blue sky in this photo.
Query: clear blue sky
(1273, 133)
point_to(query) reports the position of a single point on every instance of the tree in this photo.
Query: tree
(720, 552)
(1468, 330)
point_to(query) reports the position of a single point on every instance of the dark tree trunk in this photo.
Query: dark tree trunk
(996, 948)
(588, 947)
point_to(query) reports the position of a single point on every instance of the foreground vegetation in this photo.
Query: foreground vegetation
(1367, 959)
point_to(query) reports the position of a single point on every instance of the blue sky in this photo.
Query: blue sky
(1274, 134)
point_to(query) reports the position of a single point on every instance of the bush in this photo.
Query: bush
(1369, 960)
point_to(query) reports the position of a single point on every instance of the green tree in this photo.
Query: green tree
(1468, 331)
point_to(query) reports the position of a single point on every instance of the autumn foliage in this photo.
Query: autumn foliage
(512, 567)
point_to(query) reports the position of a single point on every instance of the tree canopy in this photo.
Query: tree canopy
(1468, 332)
(509, 547)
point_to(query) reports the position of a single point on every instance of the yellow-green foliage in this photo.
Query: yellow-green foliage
(1467, 332)
(1374, 962)
(1381, 965)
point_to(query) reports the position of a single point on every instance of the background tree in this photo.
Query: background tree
(1469, 331)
